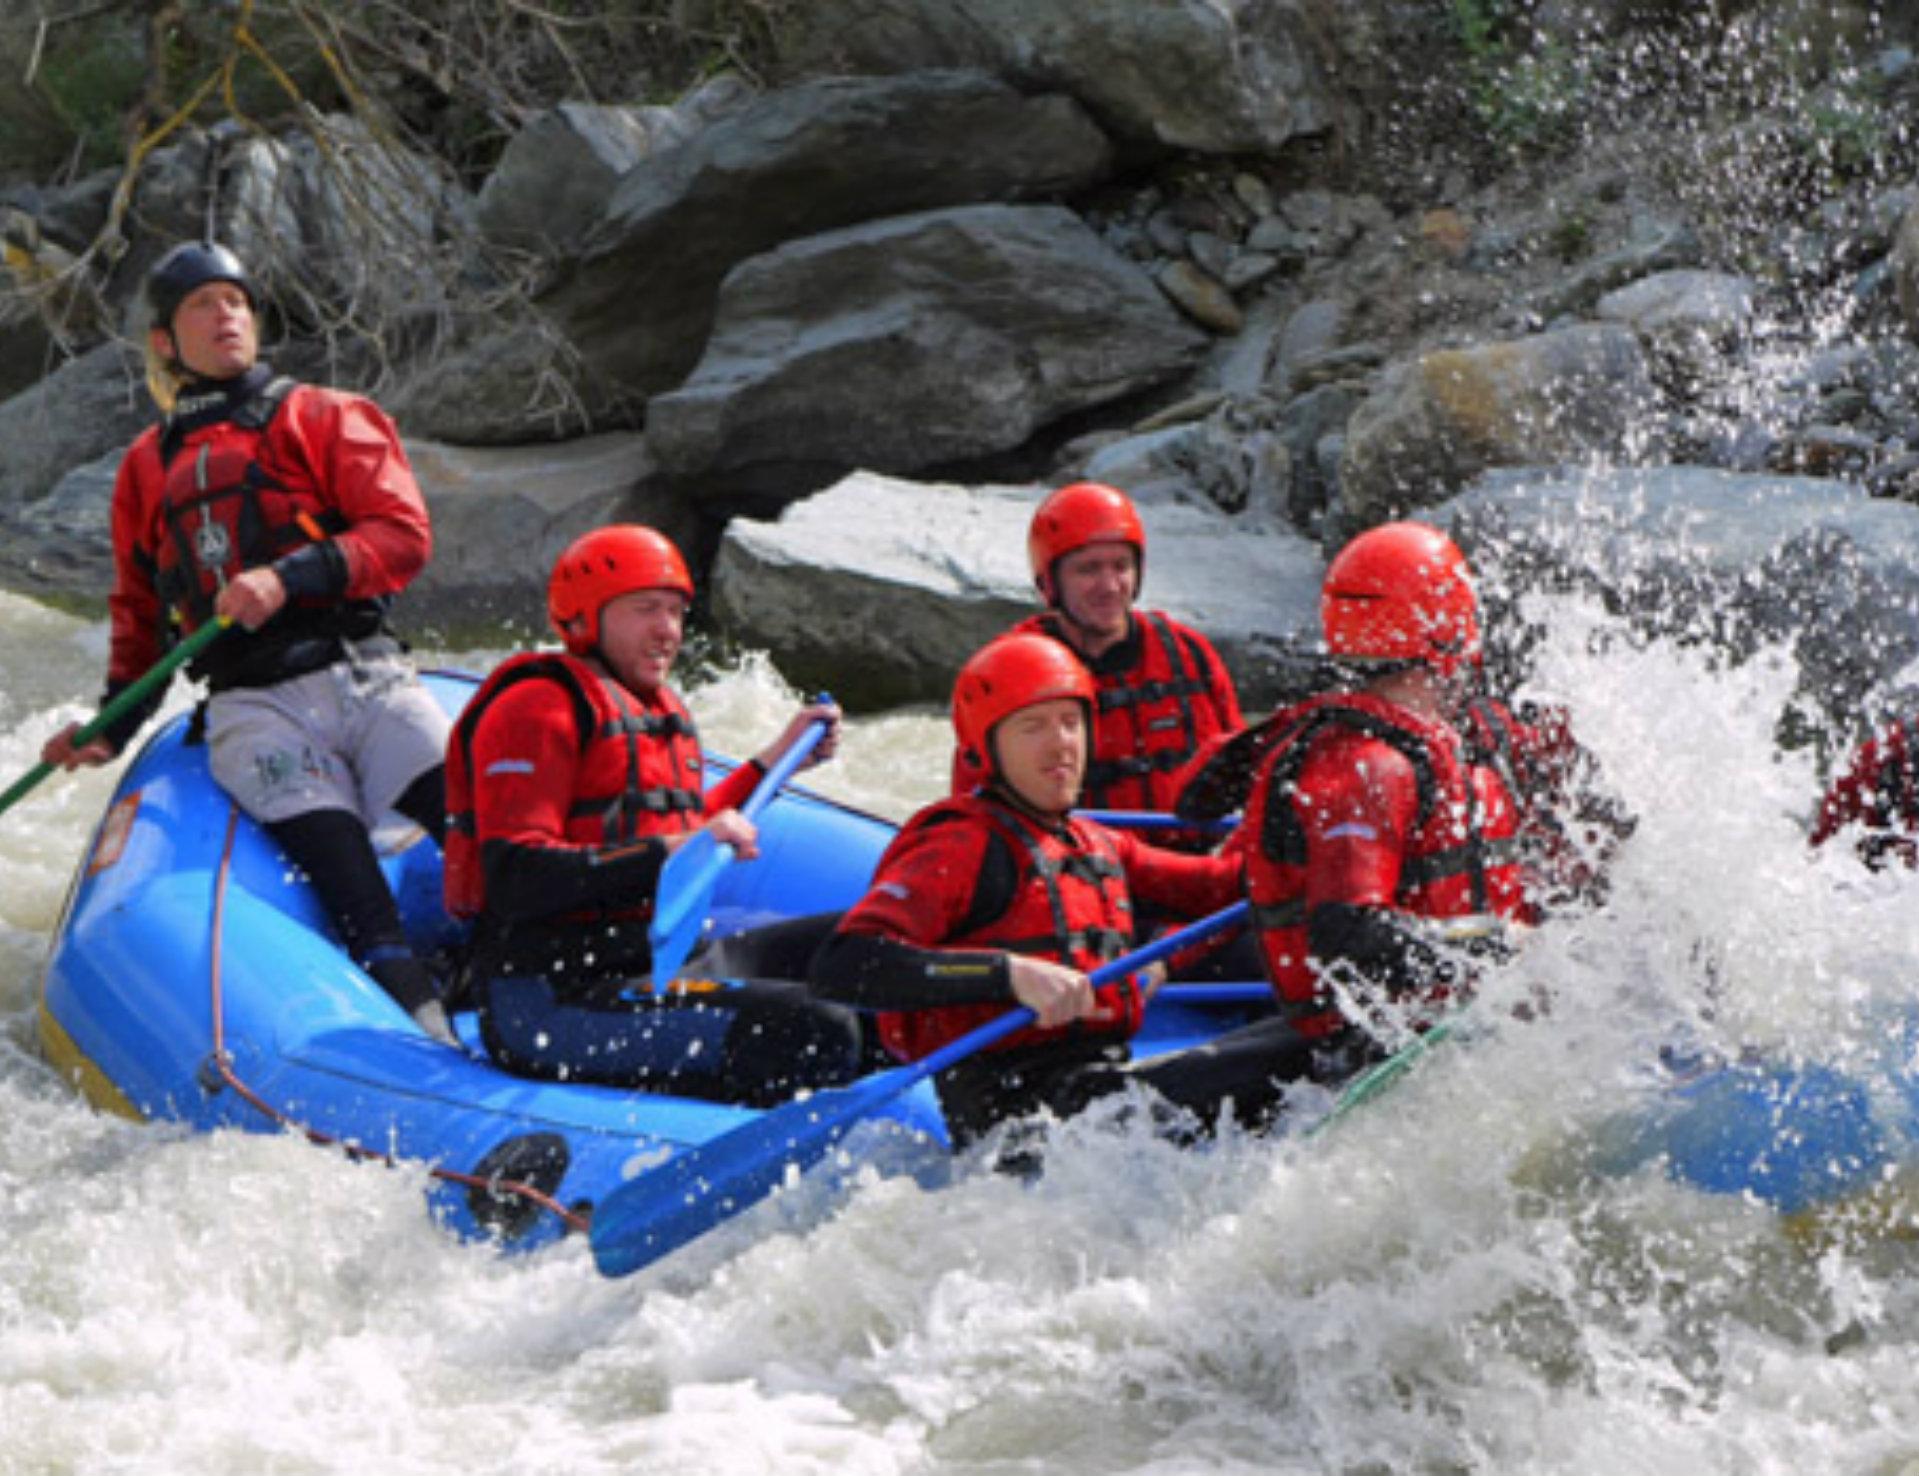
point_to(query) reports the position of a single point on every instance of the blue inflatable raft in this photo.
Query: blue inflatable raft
(193, 978)
(1796, 1135)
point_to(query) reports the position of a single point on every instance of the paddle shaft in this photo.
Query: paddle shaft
(1119, 968)
(665, 1208)
(1381, 1075)
(685, 889)
(1157, 820)
(1228, 992)
(123, 703)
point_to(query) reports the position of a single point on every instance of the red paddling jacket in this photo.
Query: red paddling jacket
(1163, 693)
(1879, 792)
(252, 472)
(560, 784)
(1364, 806)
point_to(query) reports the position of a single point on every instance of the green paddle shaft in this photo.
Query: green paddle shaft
(1380, 1077)
(123, 703)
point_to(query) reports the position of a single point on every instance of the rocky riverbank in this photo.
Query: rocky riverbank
(1602, 272)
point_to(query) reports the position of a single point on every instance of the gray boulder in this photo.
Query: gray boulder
(1905, 266)
(1437, 421)
(937, 570)
(330, 220)
(501, 515)
(1231, 458)
(1654, 245)
(1716, 305)
(812, 158)
(915, 341)
(86, 408)
(1690, 321)
(1217, 76)
(555, 176)
(62, 544)
(511, 381)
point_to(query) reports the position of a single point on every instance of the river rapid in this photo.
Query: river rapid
(1437, 1285)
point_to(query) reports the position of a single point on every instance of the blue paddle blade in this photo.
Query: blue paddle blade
(690, 1193)
(685, 893)
(696, 1190)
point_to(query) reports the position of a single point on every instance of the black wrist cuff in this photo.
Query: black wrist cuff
(317, 571)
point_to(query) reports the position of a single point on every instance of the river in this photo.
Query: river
(1437, 1285)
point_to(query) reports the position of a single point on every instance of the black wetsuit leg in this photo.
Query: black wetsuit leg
(333, 848)
(756, 1041)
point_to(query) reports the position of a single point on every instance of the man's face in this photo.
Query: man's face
(1040, 753)
(1095, 587)
(214, 334)
(640, 635)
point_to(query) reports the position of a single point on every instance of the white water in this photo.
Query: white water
(1433, 1287)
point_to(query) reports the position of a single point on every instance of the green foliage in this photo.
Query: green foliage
(87, 88)
(1845, 133)
(1528, 97)
(1571, 234)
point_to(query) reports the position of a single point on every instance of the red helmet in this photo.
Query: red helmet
(1009, 673)
(1402, 592)
(1079, 514)
(601, 565)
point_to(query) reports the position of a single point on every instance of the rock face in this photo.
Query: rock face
(1691, 323)
(917, 341)
(502, 515)
(557, 174)
(63, 543)
(88, 407)
(1437, 421)
(507, 384)
(324, 218)
(1905, 266)
(812, 158)
(1217, 76)
(935, 570)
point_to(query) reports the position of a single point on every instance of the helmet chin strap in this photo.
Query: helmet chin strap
(998, 785)
(1014, 800)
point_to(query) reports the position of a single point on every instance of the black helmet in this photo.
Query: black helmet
(187, 266)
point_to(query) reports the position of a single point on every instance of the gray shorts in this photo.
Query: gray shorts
(351, 736)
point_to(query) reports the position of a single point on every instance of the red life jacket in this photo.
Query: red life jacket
(1070, 905)
(1152, 718)
(223, 510)
(1463, 855)
(640, 769)
(1878, 791)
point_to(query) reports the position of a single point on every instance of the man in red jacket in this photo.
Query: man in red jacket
(1002, 897)
(1877, 792)
(291, 511)
(1378, 837)
(1162, 689)
(571, 777)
